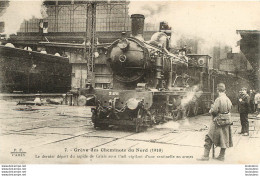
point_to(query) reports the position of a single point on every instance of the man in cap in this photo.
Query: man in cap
(243, 109)
(257, 102)
(220, 136)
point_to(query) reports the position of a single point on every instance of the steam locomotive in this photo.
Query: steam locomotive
(151, 85)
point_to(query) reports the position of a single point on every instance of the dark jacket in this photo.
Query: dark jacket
(243, 103)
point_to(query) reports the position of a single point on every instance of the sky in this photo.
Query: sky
(18, 11)
(213, 21)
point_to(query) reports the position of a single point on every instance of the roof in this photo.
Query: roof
(25, 54)
(71, 45)
(248, 31)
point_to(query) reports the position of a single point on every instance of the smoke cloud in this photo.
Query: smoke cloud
(215, 22)
(19, 11)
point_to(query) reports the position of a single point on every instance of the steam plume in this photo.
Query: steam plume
(215, 22)
(192, 95)
(18, 11)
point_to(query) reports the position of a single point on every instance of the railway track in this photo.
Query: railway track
(49, 128)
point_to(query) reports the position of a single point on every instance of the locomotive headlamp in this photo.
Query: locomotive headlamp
(123, 44)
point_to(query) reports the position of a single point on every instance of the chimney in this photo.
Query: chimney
(137, 25)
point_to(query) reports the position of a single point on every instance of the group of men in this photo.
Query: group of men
(221, 135)
(247, 103)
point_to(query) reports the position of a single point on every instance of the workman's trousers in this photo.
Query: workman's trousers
(244, 122)
(207, 146)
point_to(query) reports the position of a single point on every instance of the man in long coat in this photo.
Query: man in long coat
(244, 108)
(220, 136)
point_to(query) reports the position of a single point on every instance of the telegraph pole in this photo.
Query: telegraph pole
(90, 39)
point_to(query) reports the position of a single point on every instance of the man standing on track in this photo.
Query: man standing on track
(243, 109)
(220, 136)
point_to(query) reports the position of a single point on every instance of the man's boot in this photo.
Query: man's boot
(242, 130)
(205, 157)
(246, 133)
(221, 156)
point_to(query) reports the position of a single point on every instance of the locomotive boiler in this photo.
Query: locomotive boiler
(148, 84)
(134, 60)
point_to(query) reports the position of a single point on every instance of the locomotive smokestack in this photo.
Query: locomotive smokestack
(137, 25)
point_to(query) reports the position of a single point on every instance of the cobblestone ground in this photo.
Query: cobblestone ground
(62, 134)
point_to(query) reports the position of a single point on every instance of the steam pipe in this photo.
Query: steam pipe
(170, 76)
(175, 80)
(170, 79)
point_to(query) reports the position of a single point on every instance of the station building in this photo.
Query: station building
(250, 47)
(66, 22)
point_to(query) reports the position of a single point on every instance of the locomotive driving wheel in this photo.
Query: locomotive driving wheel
(98, 115)
(174, 114)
